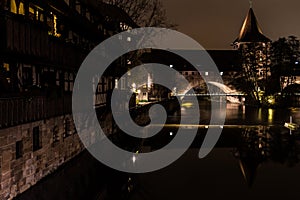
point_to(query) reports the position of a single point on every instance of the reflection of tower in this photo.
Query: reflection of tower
(253, 149)
(254, 48)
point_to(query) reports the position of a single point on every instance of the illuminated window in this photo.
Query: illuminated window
(21, 9)
(6, 66)
(31, 13)
(13, 6)
(78, 7)
(116, 83)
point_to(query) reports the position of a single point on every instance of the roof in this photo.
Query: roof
(251, 31)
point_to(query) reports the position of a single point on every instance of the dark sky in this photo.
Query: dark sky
(216, 23)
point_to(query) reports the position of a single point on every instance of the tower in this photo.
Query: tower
(254, 48)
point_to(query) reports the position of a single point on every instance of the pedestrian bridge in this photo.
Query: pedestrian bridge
(232, 95)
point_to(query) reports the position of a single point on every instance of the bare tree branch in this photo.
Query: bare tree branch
(146, 13)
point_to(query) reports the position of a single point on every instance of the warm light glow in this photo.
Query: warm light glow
(13, 6)
(187, 105)
(133, 159)
(21, 9)
(55, 26)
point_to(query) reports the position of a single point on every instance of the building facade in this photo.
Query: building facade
(42, 45)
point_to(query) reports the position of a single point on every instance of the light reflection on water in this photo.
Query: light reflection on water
(259, 160)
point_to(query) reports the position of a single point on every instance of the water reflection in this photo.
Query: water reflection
(265, 143)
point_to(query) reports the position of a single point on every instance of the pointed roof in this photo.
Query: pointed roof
(250, 31)
(249, 169)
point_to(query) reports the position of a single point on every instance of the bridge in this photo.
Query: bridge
(231, 94)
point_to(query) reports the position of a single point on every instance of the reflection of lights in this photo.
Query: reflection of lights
(206, 127)
(259, 114)
(171, 66)
(171, 133)
(133, 158)
(221, 127)
(270, 115)
(187, 105)
(260, 145)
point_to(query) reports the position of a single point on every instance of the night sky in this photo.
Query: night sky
(216, 23)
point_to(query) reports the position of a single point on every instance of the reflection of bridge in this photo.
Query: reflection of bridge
(214, 94)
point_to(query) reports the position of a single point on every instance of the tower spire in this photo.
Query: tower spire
(251, 3)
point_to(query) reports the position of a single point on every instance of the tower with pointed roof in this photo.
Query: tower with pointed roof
(254, 49)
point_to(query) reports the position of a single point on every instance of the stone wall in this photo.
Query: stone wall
(25, 163)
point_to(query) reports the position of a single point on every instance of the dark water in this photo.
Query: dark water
(255, 158)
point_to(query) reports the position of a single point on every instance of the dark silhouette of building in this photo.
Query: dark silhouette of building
(42, 45)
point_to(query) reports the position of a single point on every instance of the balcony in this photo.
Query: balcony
(30, 42)
(21, 110)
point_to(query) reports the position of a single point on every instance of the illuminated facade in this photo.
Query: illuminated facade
(42, 45)
(254, 49)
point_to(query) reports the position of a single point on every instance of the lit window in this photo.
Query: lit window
(116, 83)
(21, 9)
(13, 6)
(6, 66)
(31, 13)
(78, 7)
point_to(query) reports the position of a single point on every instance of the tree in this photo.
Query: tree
(284, 55)
(146, 13)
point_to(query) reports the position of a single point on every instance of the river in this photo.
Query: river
(255, 158)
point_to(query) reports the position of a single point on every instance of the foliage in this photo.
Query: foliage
(285, 52)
